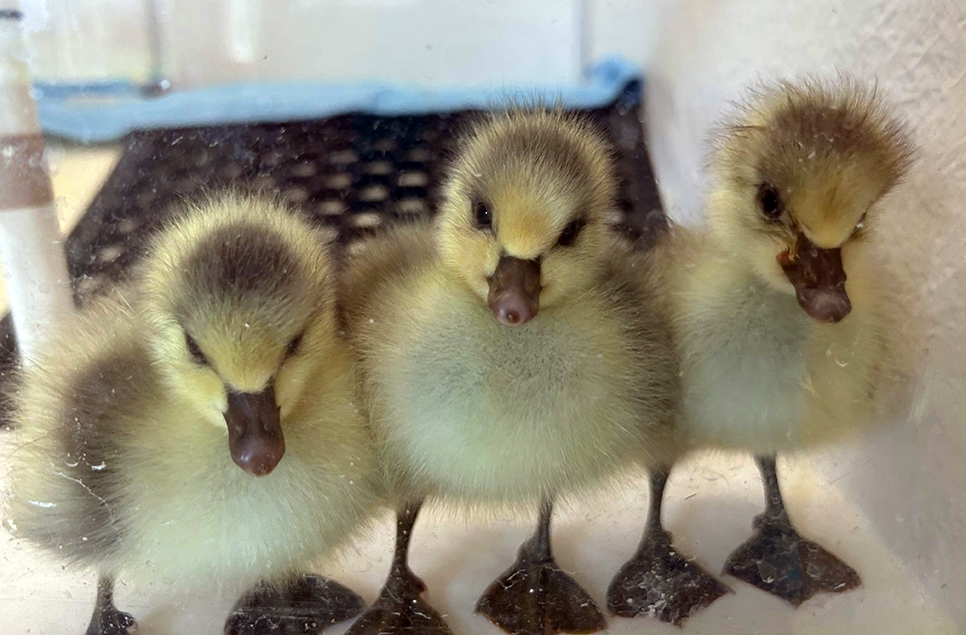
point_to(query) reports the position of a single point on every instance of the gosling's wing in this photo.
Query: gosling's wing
(379, 263)
(632, 285)
(73, 412)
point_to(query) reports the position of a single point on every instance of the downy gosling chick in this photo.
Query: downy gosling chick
(199, 428)
(509, 358)
(780, 306)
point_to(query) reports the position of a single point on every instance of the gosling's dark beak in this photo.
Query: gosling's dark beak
(254, 431)
(819, 280)
(515, 291)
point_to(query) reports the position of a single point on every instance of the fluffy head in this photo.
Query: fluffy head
(531, 188)
(800, 168)
(239, 300)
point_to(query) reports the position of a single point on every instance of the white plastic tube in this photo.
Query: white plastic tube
(34, 265)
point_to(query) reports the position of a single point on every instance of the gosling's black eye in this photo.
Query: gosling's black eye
(482, 215)
(293, 346)
(769, 201)
(195, 350)
(570, 233)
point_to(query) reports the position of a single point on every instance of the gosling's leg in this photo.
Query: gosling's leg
(305, 605)
(399, 609)
(658, 580)
(107, 620)
(534, 597)
(778, 560)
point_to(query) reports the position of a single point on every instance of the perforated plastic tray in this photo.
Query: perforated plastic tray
(353, 174)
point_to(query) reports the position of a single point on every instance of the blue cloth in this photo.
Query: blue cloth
(108, 111)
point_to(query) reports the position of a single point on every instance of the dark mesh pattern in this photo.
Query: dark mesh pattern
(352, 174)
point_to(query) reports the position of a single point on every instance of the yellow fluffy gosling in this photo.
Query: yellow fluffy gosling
(199, 426)
(781, 304)
(510, 357)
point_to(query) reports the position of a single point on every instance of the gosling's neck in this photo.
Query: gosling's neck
(736, 279)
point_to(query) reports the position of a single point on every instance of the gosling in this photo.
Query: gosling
(200, 426)
(781, 305)
(509, 357)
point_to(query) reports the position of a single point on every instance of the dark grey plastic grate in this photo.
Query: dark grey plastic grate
(352, 174)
